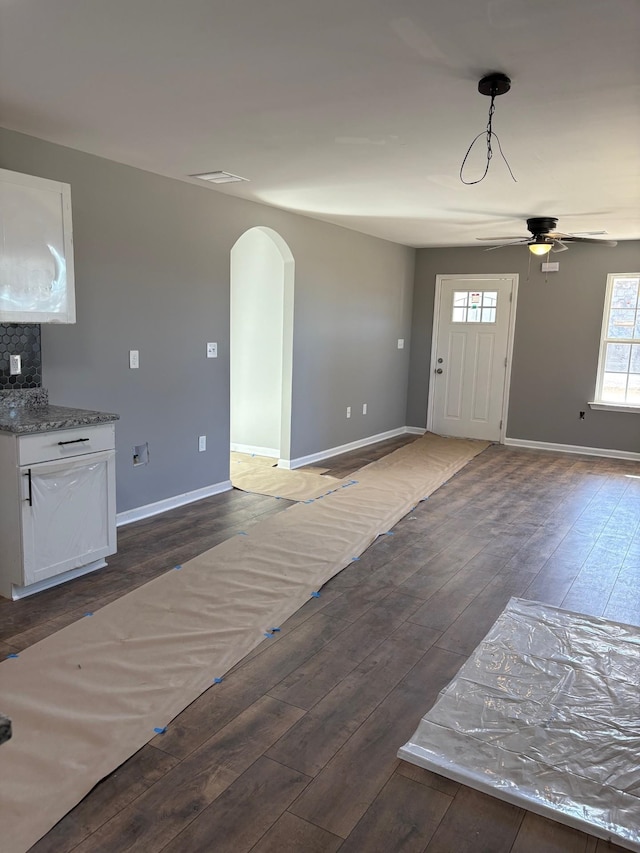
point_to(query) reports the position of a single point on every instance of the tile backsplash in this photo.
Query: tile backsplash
(21, 339)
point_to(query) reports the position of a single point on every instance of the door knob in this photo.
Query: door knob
(438, 370)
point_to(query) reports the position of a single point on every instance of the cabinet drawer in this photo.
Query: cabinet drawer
(65, 443)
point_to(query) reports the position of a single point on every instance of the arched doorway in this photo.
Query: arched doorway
(262, 286)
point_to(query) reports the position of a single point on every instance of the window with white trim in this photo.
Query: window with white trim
(619, 363)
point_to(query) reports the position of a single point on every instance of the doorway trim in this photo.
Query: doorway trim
(514, 278)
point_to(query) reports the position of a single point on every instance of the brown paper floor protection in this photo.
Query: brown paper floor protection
(85, 699)
(257, 474)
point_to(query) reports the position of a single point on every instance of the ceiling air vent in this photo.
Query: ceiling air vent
(219, 177)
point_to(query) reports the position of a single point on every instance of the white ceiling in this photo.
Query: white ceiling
(357, 112)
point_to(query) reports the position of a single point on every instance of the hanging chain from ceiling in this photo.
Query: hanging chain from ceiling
(493, 85)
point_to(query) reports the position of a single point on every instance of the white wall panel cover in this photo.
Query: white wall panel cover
(545, 714)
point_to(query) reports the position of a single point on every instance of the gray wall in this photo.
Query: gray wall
(152, 273)
(556, 344)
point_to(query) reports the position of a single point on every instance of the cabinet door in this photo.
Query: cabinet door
(68, 514)
(36, 250)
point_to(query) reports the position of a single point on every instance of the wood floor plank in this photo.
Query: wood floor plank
(291, 834)
(108, 798)
(164, 810)
(426, 777)
(340, 795)
(477, 823)
(244, 812)
(315, 739)
(538, 833)
(311, 681)
(366, 633)
(402, 818)
(474, 622)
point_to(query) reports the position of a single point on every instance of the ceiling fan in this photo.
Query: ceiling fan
(544, 238)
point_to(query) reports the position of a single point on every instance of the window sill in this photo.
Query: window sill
(615, 407)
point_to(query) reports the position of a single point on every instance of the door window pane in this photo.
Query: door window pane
(474, 306)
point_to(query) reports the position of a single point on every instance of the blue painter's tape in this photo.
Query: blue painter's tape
(13, 655)
(243, 533)
(355, 559)
(88, 613)
(177, 568)
(217, 681)
(268, 635)
(276, 630)
(388, 533)
(309, 501)
(160, 731)
(315, 595)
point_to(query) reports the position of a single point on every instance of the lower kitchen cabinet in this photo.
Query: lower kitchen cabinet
(57, 506)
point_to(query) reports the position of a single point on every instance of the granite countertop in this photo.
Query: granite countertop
(25, 413)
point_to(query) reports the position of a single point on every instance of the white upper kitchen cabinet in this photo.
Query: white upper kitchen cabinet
(36, 250)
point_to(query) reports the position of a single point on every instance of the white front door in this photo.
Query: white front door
(470, 355)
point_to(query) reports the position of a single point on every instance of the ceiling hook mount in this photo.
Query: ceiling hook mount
(494, 84)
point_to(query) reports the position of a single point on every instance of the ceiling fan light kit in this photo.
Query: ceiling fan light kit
(540, 246)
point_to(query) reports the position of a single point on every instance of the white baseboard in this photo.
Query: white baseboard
(572, 448)
(345, 448)
(271, 452)
(140, 512)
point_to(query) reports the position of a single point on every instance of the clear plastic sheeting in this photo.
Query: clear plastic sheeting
(545, 714)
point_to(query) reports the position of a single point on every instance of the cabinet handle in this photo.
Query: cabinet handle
(74, 441)
(30, 498)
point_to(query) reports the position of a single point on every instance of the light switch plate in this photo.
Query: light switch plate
(202, 443)
(134, 359)
(212, 350)
(15, 365)
(400, 343)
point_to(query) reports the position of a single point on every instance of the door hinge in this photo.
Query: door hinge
(500, 427)
(506, 361)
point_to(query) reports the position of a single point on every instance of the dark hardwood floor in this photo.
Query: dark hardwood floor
(295, 751)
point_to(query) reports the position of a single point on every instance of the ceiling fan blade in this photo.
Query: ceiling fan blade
(560, 235)
(573, 239)
(558, 246)
(495, 239)
(504, 245)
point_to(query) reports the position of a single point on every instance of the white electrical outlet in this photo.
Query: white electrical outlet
(364, 408)
(15, 365)
(348, 411)
(400, 343)
(134, 359)
(202, 443)
(212, 350)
